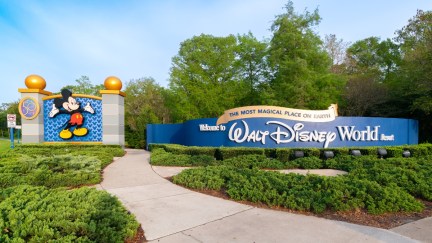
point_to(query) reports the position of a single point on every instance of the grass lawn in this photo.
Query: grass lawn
(4, 145)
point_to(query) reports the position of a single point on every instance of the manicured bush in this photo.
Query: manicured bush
(53, 171)
(377, 185)
(36, 214)
(104, 153)
(253, 161)
(180, 149)
(283, 154)
(309, 163)
(161, 157)
(310, 193)
(232, 152)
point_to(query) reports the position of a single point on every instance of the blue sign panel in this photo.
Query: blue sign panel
(83, 124)
(276, 132)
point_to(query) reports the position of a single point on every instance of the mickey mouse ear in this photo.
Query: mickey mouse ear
(66, 93)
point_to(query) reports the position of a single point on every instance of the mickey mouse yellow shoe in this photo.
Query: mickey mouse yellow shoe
(65, 134)
(80, 131)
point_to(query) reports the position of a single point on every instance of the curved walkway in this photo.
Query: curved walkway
(170, 213)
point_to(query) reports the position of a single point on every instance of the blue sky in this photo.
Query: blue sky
(62, 40)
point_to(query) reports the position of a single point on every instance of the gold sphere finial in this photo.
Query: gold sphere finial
(35, 82)
(113, 83)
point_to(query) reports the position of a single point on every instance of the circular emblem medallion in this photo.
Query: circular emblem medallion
(28, 108)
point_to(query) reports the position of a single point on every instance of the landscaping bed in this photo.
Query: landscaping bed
(43, 196)
(382, 192)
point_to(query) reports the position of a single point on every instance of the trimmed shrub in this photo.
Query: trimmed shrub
(54, 171)
(253, 161)
(36, 214)
(283, 154)
(161, 157)
(309, 163)
(232, 152)
(311, 193)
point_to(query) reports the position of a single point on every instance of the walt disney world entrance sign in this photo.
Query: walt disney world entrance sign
(273, 127)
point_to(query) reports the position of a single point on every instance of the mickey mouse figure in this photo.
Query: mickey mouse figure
(72, 107)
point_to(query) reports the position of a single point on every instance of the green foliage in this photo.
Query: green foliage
(36, 214)
(36, 206)
(190, 150)
(309, 163)
(4, 145)
(55, 165)
(226, 153)
(144, 103)
(377, 185)
(55, 171)
(253, 161)
(204, 77)
(161, 157)
(203, 178)
(300, 66)
(310, 193)
(84, 86)
(104, 153)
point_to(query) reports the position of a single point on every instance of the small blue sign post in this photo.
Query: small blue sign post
(11, 133)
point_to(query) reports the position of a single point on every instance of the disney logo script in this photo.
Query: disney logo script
(283, 133)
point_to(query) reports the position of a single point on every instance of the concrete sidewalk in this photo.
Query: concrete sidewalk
(169, 213)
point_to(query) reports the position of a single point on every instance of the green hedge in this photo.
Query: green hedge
(55, 165)
(189, 150)
(51, 213)
(54, 171)
(310, 193)
(227, 153)
(36, 214)
(163, 158)
(104, 153)
(287, 154)
(377, 185)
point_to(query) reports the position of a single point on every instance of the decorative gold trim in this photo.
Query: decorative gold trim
(37, 108)
(39, 91)
(73, 95)
(117, 92)
(80, 142)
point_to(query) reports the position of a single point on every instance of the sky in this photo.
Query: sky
(132, 39)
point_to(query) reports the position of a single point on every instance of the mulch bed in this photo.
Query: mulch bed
(138, 238)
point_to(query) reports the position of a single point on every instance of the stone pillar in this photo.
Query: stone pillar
(113, 112)
(31, 109)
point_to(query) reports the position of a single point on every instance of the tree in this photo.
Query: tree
(84, 86)
(144, 103)
(412, 90)
(204, 77)
(361, 95)
(371, 56)
(416, 44)
(370, 66)
(299, 64)
(8, 108)
(253, 69)
(336, 49)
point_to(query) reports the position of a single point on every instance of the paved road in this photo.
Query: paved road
(169, 213)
